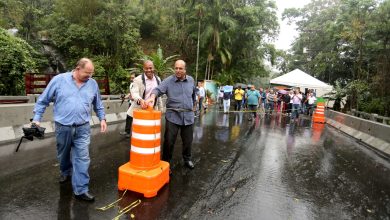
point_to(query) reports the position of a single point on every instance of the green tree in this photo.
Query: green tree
(346, 42)
(107, 32)
(16, 57)
(233, 36)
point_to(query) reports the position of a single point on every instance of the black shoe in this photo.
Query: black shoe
(64, 178)
(124, 133)
(86, 197)
(189, 164)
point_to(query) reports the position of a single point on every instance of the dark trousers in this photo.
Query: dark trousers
(238, 105)
(170, 135)
(129, 122)
(253, 109)
(201, 104)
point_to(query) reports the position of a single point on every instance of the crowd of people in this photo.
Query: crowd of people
(75, 94)
(289, 102)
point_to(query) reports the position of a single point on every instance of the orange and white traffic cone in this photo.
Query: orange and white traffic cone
(145, 172)
(319, 114)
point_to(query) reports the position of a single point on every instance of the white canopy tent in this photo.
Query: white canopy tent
(298, 78)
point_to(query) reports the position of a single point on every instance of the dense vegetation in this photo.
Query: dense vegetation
(117, 34)
(342, 42)
(346, 43)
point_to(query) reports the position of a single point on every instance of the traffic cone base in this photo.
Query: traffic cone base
(317, 119)
(146, 182)
(145, 173)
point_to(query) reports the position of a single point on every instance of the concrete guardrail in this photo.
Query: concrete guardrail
(374, 134)
(15, 116)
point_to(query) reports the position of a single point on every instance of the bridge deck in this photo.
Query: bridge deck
(270, 168)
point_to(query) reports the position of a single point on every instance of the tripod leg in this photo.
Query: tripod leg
(20, 142)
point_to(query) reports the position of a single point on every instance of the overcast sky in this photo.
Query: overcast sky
(287, 32)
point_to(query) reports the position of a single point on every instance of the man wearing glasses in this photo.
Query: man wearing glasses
(74, 94)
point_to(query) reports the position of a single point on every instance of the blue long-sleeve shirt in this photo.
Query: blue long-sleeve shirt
(181, 95)
(72, 105)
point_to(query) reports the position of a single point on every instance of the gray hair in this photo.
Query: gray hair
(83, 61)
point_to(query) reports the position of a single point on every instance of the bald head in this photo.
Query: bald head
(84, 70)
(83, 61)
(180, 69)
(146, 62)
(148, 69)
(180, 62)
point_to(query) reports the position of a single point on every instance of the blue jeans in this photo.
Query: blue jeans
(200, 104)
(73, 154)
(271, 106)
(295, 111)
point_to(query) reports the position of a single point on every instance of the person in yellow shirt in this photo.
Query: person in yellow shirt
(238, 95)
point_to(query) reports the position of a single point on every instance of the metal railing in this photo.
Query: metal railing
(370, 116)
(35, 83)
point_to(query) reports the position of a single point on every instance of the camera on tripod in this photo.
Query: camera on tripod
(34, 131)
(31, 132)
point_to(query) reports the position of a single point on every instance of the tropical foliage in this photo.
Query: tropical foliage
(16, 57)
(117, 34)
(342, 42)
(347, 42)
(162, 65)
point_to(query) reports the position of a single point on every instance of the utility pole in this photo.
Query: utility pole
(197, 53)
(200, 15)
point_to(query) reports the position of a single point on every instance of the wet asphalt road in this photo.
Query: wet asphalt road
(270, 168)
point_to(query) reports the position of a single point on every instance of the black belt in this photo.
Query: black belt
(180, 109)
(74, 125)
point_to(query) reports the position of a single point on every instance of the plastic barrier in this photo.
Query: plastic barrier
(145, 172)
(319, 113)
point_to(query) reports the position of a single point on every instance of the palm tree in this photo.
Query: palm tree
(161, 64)
(216, 25)
(216, 35)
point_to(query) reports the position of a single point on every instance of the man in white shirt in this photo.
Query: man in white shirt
(202, 95)
(311, 100)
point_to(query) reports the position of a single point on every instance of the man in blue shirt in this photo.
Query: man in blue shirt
(253, 96)
(73, 94)
(181, 104)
